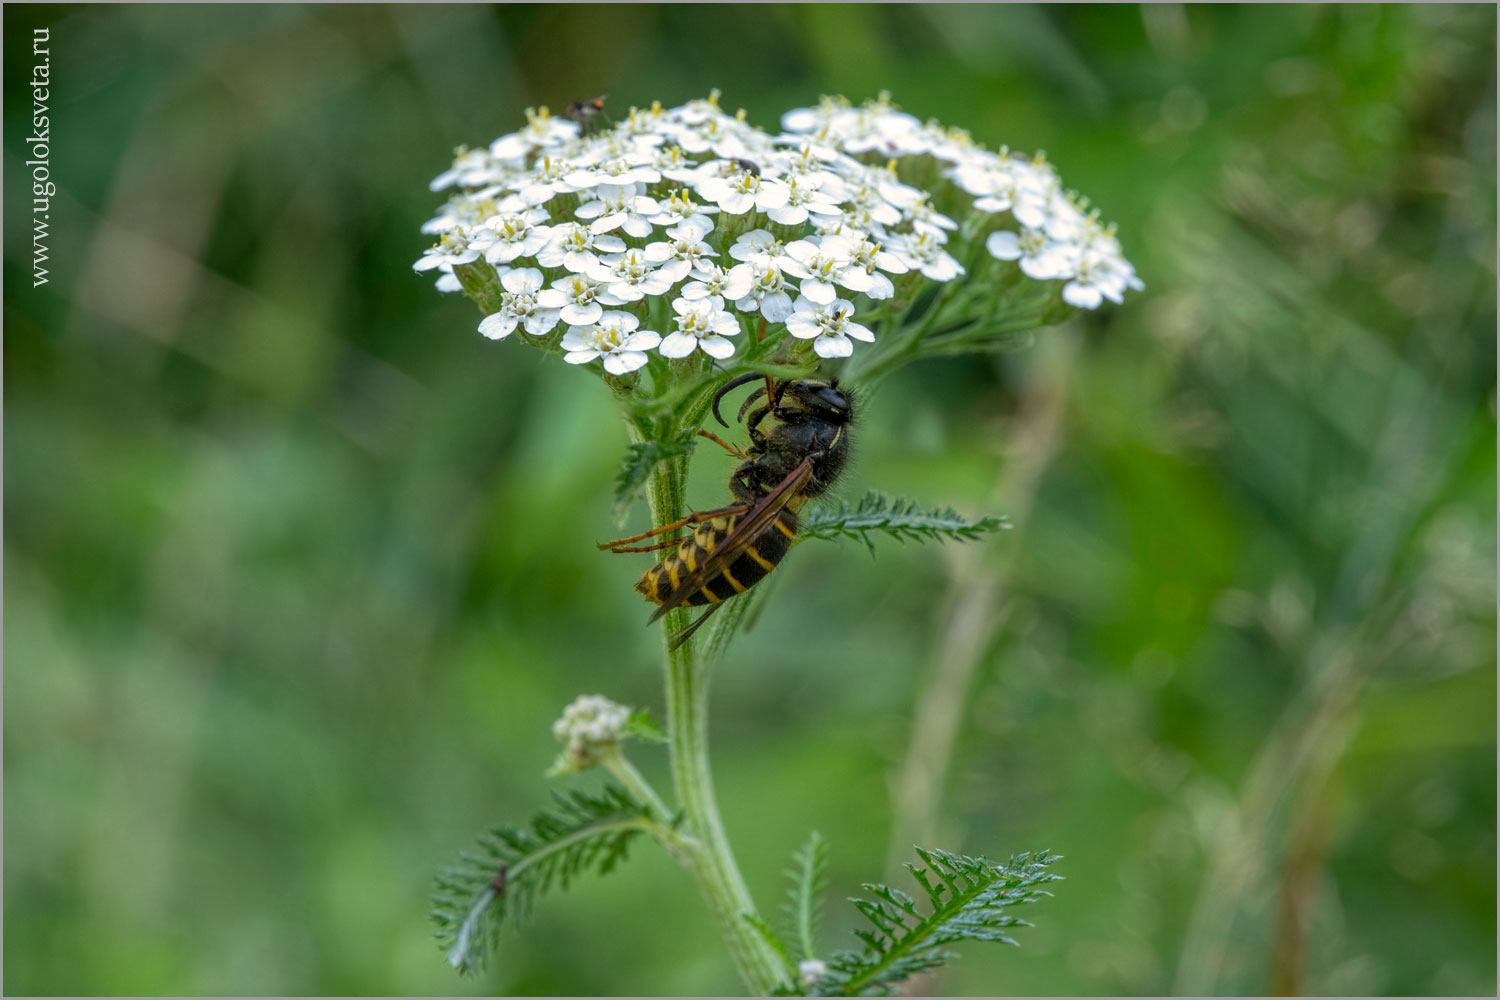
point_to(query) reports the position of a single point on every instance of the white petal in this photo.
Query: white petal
(833, 347)
(802, 326)
(621, 364)
(819, 291)
(716, 347)
(581, 315)
(642, 340)
(637, 227)
(580, 357)
(1004, 245)
(540, 322)
(776, 307)
(522, 279)
(1082, 296)
(678, 345)
(497, 326)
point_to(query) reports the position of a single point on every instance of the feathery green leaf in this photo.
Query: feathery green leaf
(903, 520)
(640, 726)
(640, 459)
(769, 936)
(968, 898)
(583, 833)
(809, 875)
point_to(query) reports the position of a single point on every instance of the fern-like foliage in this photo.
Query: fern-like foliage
(640, 459)
(809, 875)
(903, 520)
(514, 866)
(968, 900)
(641, 726)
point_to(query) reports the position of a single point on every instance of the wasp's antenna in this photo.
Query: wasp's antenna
(733, 383)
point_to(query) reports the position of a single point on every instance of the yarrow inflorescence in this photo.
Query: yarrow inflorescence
(590, 726)
(688, 231)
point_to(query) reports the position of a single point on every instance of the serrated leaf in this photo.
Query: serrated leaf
(582, 833)
(640, 726)
(969, 901)
(903, 520)
(640, 459)
(809, 875)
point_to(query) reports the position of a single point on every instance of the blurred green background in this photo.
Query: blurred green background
(299, 568)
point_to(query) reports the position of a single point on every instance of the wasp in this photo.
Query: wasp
(791, 461)
(586, 112)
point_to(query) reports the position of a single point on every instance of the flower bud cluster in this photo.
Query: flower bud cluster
(589, 727)
(695, 222)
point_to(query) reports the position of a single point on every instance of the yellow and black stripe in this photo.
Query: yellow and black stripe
(739, 576)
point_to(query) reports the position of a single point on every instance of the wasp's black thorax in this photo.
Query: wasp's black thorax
(812, 421)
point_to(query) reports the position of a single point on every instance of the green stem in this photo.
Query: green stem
(711, 861)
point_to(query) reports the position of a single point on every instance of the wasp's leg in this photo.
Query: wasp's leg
(669, 543)
(752, 426)
(721, 443)
(685, 634)
(696, 518)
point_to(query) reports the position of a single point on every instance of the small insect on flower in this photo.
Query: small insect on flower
(732, 548)
(587, 112)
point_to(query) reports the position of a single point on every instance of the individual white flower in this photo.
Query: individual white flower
(457, 246)
(541, 130)
(881, 128)
(716, 283)
(767, 290)
(678, 207)
(1010, 184)
(547, 179)
(820, 263)
(614, 338)
(701, 323)
(926, 219)
(628, 277)
(803, 195)
(1102, 273)
(861, 274)
(810, 119)
(827, 325)
(471, 167)
(589, 728)
(803, 158)
(675, 165)
(1065, 220)
(684, 251)
(923, 252)
(576, 298)
(575, 246)
(461, 211)
(742, 191)
(517, 234)
(616, 207)
(518, 304)
(757, 244)
(809, 971)
(700, 109)
(1040, 257)
(618, 171)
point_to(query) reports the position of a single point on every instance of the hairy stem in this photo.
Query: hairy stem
(710, 859)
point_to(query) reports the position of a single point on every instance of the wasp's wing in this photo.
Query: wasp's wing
(754, 524)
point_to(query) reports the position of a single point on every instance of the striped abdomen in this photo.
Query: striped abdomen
(753, 564)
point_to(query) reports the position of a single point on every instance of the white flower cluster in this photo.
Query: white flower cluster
(1056, 237)
(735, 228)
(589, 726)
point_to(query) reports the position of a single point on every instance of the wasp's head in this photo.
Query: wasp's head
(821, 400)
